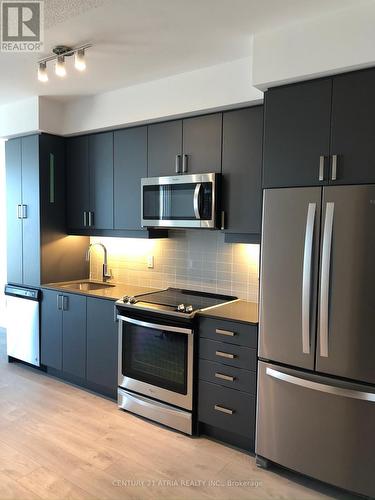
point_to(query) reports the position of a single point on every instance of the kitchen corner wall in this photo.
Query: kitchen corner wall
(198, 260)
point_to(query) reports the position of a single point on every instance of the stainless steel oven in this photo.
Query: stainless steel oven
(156, 370)
(183, 201)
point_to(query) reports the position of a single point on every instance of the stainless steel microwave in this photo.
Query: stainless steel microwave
(183, 201)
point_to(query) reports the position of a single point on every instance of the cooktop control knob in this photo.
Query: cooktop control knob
(189, 309)
(132, 300)
(125, 299)
(181, 308)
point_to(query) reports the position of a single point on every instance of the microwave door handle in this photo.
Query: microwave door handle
(196, 201)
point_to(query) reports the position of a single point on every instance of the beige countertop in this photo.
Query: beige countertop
(239, 310)
(114, 292)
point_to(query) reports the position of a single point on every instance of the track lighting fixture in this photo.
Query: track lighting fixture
(60, 53)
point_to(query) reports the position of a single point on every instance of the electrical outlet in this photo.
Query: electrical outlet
(150, 261)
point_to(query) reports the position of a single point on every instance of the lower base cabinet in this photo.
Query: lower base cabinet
(79, 340)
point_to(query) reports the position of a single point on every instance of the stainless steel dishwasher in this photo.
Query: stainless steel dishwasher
(23, 340)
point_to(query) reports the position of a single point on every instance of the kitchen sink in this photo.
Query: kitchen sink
(87, 285)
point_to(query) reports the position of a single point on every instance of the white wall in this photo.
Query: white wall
(217, 87)
(331, 44)
(3, 271)
(20, 117)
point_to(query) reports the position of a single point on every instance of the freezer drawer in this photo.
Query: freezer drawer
(318, 426)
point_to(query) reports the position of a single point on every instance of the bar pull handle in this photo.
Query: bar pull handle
(222, 376)
(177, 164)
(24, 211)
(59, 302)
(306, 277)
(222, 225)
(222, 409)
(325, 280)
(19, 212)
(185, 163)
(65, 303)
(91, 219)
(227, 355)
(321, 167)
(227, 333)
(334, 168)
(85, 219)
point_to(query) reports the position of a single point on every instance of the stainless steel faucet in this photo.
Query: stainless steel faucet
(105, 276)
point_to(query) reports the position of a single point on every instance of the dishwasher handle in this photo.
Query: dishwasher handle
(22, 293)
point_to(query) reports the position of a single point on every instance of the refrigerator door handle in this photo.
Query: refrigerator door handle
(325, 280)
(306, 278)
(317, 386)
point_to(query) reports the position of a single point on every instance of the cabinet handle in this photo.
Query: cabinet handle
(65, 303)
(19, 214)
(85, 219)
(24, 211)
(227, 355)
(59, 302)
(221, 376)
(178, 161)
(228, 411)
(227, 333)
(222, 225)
(185, 164)
(321, 168)
(334, 168)
(91, 219)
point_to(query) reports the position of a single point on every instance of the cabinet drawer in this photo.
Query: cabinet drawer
(229, 331)
(228, 376)
(227, 409)
(228, 354)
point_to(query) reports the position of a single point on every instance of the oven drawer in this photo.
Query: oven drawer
(227, 409)
(228, 354)
(229, 331)
(228, 376)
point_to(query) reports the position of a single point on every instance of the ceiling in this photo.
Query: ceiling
(144, 40)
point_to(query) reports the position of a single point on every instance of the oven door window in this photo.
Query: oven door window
(178, 201)
(156, 357)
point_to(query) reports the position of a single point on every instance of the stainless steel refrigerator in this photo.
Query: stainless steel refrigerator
(316, 378)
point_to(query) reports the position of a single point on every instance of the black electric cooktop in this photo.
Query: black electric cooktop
(176, 301)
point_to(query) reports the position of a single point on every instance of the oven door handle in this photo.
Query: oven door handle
(173, 329)
(196, 200)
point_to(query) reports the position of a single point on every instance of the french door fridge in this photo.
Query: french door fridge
(316, 380)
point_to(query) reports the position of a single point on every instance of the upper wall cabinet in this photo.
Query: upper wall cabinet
(242, 164)
(90, 181)
(320, 132)
(189, 146)
(296, 134)
(37, 250)
(352, 139)
(130, 165)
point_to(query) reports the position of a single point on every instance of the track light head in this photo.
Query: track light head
(42, 72)
(60, 68)
(79, 60)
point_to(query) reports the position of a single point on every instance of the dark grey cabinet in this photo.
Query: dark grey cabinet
(102, 345)
(90, 182)
(189, 146)
(352, 139)
(51, 329)
(227, 381)
(242, 166)
(37, 251)
(63, 337)
(201, 140)
(74, 335)
(297, 134)
(165, 148)
(130, 165)
(101, 181)
(78, 188)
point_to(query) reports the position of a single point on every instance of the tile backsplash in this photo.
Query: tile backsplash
(198, 260)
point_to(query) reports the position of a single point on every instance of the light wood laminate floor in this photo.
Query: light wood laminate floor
(61, 442)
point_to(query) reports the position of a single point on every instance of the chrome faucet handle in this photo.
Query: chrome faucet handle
(106, 275)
